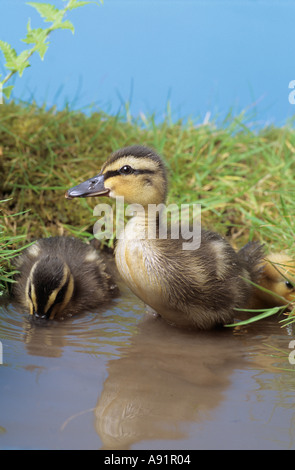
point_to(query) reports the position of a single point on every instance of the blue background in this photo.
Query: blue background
(204, 58)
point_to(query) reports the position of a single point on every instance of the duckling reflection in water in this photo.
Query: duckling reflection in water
(60, 277)
(196, 289)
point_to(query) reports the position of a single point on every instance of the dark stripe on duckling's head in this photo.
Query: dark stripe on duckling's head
(127, 170)
(49, 288)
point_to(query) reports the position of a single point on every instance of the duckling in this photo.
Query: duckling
(198, 288)
(59, 277)
(277, 276)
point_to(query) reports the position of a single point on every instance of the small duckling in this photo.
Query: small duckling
(60, 277)
(277, 276)
(199, 288)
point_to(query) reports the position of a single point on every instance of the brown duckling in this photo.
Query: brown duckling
(277, 276)
(198, 288)
(60, 277)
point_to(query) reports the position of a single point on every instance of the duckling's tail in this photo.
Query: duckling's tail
(252, 256)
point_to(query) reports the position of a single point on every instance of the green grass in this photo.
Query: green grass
(243, 179)
(9, 248)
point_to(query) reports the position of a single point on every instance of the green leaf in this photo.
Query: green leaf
(34, 36)
(38, 37)
(22, 67)
(64, 25)
(14, 62)
(67, 25)
(22, 61)
(77, 4)
(9, 55)
(41, 49)
(46, 11)
(7, 91)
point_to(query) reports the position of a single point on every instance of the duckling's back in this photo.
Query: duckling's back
(93, 284)
(215, 282)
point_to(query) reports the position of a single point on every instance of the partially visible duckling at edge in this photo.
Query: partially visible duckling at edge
(60, 277)
(197, 288)
(277, 276)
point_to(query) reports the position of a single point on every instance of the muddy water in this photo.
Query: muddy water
(119, 379)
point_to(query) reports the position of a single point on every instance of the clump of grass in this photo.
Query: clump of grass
(243, 179)
(8, 248)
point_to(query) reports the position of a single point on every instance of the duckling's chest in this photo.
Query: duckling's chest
(142, 269)
(136, 265)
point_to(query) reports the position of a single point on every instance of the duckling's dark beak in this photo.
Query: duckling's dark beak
(39, 316)
(92, 187)
(42, 317)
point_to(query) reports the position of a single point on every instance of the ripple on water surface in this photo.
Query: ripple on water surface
(99, 332)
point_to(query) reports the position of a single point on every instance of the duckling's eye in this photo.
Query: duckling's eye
(126, 170)
(289, 285)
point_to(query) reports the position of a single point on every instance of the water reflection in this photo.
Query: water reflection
(163, 381)
(143, 381)
(168, 380)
